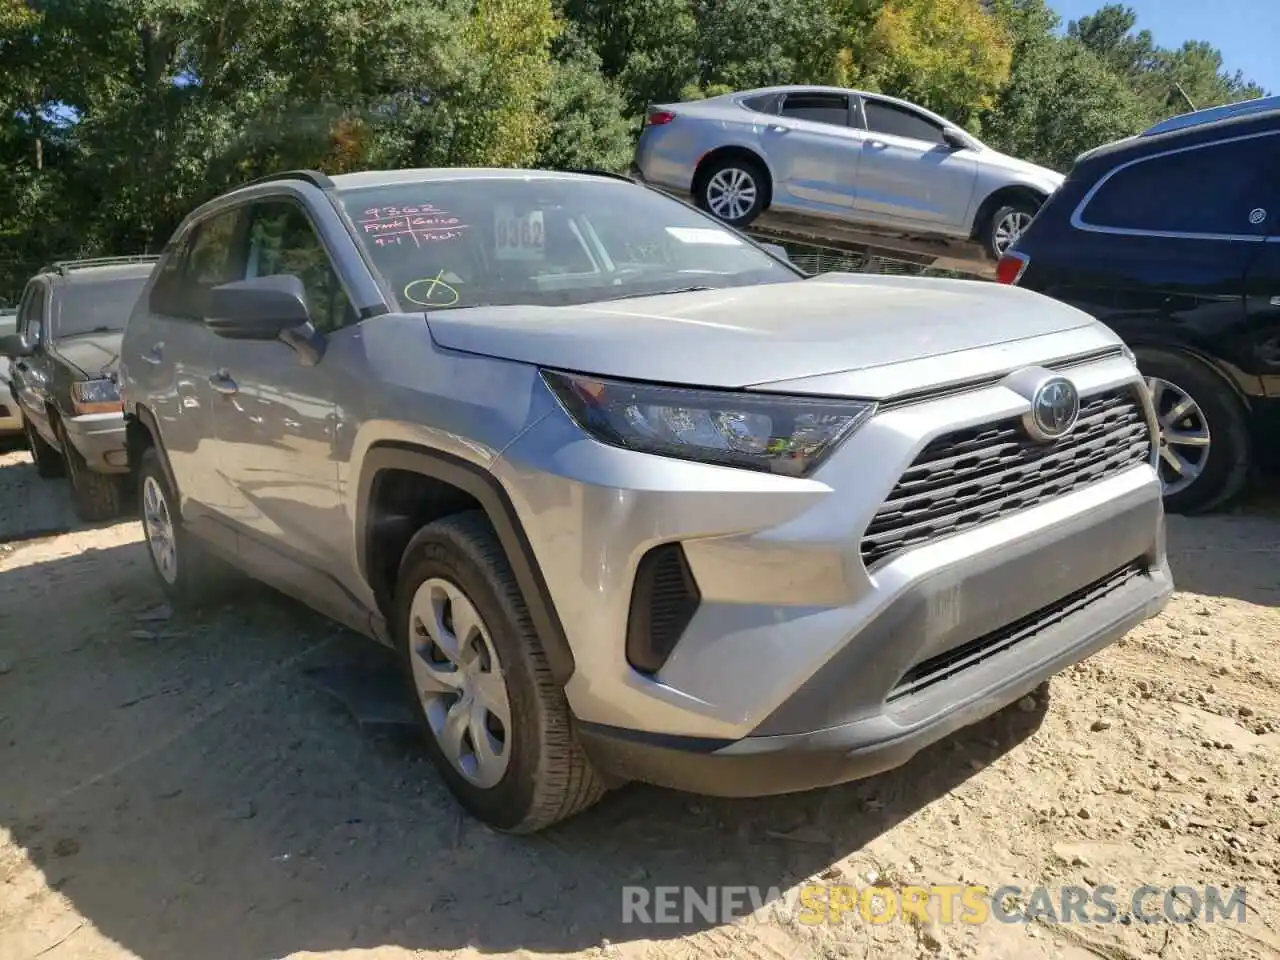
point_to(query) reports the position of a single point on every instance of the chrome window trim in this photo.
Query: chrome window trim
(1079, 223)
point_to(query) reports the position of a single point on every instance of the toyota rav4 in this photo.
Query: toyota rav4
(631, 497)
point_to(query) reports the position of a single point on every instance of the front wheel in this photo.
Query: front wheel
(1006, 225)
(95, 497)
(497, 724)
(187, 574)
(48, 461)
(1205, 453)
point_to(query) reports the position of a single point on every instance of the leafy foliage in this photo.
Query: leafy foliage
(949, 55)
(120, 116)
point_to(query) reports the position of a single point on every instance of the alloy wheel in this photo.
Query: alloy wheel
(731, 193)
(1009, 228)
(157, 524)
(1185, 441)
(459, 679)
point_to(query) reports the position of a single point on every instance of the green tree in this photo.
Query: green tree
(948, 55)
(755, 43)
(647, 46)
(1061, 98)
(585, 113)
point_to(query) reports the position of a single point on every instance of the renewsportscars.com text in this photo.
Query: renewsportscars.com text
(814, 904)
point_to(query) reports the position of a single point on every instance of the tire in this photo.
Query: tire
(193, 575)
(94, 496)
(1005, 225)
(537, 774)
(1218, 415)
(737, 185)
(48, 461)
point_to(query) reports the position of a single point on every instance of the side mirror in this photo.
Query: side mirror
(14, 346)
(778, 250)
(954, 140)
(263, 308)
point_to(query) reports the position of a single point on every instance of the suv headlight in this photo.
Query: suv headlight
(95, 396)
(756, 431)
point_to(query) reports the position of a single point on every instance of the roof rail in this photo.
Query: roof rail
(313, 177)
(64, 267)
(1213, 114)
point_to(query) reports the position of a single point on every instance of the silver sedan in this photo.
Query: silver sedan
(842, 155)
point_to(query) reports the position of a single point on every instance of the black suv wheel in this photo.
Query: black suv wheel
(1204, 438)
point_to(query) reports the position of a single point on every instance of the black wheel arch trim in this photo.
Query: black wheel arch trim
(1237, 380)
(493, 498)
(991, 203)
(146, 420)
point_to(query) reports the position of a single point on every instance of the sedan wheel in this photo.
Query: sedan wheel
(1007, 230)
(1185, 441)
(460, 682)
(732, 193)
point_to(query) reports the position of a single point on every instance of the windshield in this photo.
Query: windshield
(545, 242)
(84, 307)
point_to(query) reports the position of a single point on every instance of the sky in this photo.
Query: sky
(1246, 31)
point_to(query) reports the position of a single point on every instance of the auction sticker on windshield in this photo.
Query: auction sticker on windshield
(518, 237)
(703, 235)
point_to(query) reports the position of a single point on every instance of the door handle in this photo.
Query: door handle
(778, 128)
(155, 354)
(877, 144)
(222, 383)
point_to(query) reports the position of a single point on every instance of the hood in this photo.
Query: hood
(1051, 179)
(94, 354)
(746, 336)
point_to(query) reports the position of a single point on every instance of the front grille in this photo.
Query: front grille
(972, 476)
(663, 602)
(951, 662)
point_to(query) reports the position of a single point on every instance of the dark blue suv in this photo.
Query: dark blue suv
(1172, 239)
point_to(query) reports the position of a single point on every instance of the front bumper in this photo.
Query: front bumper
(804, 663)
(889, 735)
(100, 440)
(10, 415)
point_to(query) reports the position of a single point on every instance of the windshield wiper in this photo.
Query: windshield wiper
(660, 293)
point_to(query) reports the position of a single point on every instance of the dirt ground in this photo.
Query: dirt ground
(177, 789)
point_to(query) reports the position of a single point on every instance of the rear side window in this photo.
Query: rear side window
(832, 108)
(895, 121)
(762, 103)
(1219, 189)
(31, 313)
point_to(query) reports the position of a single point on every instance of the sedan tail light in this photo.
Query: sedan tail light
(660, 117)
(1011, 268)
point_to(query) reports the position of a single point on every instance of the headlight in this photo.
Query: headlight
(95, 396)
(755, 431)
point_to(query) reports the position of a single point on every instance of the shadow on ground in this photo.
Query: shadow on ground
(1232, 554)
(191, 792)
(30, 506)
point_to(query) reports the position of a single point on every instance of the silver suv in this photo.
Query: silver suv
(630, 497)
